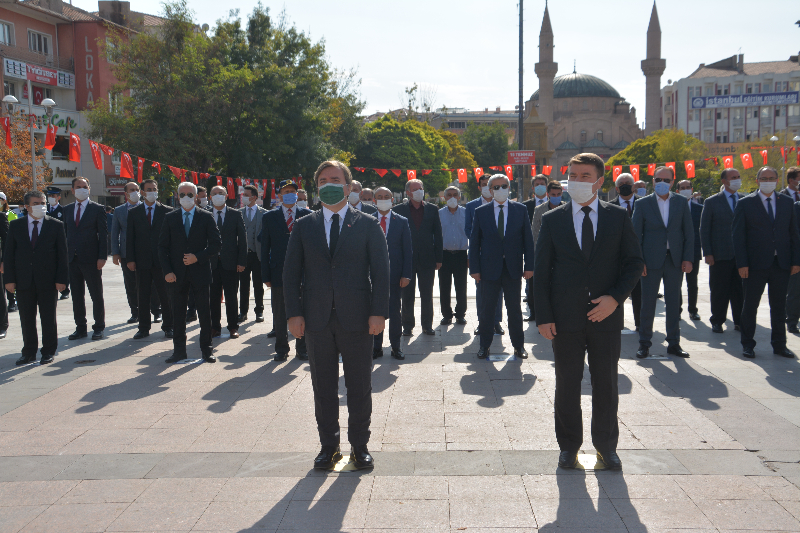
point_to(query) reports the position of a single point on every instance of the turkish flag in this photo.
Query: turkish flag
(547, 169)
(651, 169)
(219, 181)
(635, 172)
(126, 166)
(689, 169)
(380, 171)
(107, 149)
(395, 171)
(156, 165)
(533, 171)
(478, 173)
(97, 156)
(140, 169)
(564, 170)
(412, 174)
(360, 169)
(6, 123)
(50, 137)
(427, 171)
(176, 172)
(231, 192)
(194, 178)
(727, 161)
(509, 172)
(74, 148)
(747, 161)
(462, 175)
(765, 155)
(616, 172)
(671, 165)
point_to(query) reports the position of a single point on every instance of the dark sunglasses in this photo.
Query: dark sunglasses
(189, 194)
(662, 180)
(498, 187)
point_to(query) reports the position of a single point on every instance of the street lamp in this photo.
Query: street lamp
(9, 102)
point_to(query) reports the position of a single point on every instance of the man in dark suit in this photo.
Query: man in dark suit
(500, 255)
(685, 190)
(35, 266)
(228, 264)
(55, 210)
(398, 241)
(201, 201)
(189, 239)
(276, 228)
(539, 197)
(587, 262)
(663, 225)
(144, 225)
(354, 198)
(716, 238)
(792, 189)
(119, 248)
(626, 199)
(426, 240)
(87, 237)
(767, 247)
(336, 284)
(793, 293)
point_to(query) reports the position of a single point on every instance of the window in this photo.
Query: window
(697, 91)
(691, 92)
(115, 102)
(6, 33)
(722, 137)
(752, 135)
(457, 125)
(599, 135)
(737, 136)
(737, 113)
(766, 132)
(767, 87)
(583, 136)
(749, 89)
(708, 136)
(9, 88)
(722, 114)
(766, 111)
(752, 112)
(738, 89)
(780, 110)
(794, 86)
(757, 88)
(784, 87)
(669, 100)
(723, 89)
(709, 114)
(39, 42)
(794, 110)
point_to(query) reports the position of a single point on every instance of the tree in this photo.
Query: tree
(774, 159)
(15, 162)
(487, 142)
(460, 157)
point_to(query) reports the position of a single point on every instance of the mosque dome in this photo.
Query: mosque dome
(580, 85)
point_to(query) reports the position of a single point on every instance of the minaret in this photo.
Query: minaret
(546, 70)
(653, 67)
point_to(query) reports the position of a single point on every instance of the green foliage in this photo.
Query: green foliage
(487, 142)
(774, 159)
(460, 157)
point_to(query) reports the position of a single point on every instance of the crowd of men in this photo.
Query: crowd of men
(338, 271)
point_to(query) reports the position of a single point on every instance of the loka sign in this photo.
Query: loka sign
(522, 157)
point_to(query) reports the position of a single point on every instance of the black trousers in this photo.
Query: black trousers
(490, 292)
(148, 279)
(603, 348)
(81, 277)
(3, 308)
(691, 288)
(425, 277)
(179, 296)
(453, 272)
(356, 350)
(726, 287)
(44, 298)
(636, 302)
(11, 297)
(279, 325)
(529, 295)
(395, 326)
(226, 281)
(253, 268)
(778, 280)
(129, 278)
(792, 301)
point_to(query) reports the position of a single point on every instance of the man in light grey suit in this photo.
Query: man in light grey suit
(336, 289)
(663, 225)
(252, 213)
(119, 227)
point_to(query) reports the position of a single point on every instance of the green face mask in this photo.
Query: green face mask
(331, 193)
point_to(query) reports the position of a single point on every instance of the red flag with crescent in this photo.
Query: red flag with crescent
(765, 155)
(747, 161)
(412, 174)
(533, 171)
(106, 149)
(727, 161)
(689, 169)
(97, 155)
(671, 165)
(462, 175)
(651, 169)
(616, 172)
(231, 191)
(126, 166)
(547, 169)
(140, 168)
(509, 170)
(157, 166)
(74, 148)
(564, 170)
(50, 137)
(635, 172)
(6, 123)
(478, 173)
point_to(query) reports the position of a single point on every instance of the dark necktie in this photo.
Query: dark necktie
(334, 233)
(797, 196)
(770, 212)
(78, 216)
(35, 233)
(500, 223)
(733, 202)
(587, 232)
(150, 215)
(219, 220)
(628, 206)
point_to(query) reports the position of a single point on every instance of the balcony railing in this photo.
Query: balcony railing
(28, 56)
(738, 122)
(708, 122)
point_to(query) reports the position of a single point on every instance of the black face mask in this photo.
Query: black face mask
(625, 190)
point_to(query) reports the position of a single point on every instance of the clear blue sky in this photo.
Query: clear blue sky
(467, 51)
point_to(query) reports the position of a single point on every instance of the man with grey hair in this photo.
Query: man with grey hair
(454, 257)
(426, 240)
(626, 198)
(189, 239)
(354, 199)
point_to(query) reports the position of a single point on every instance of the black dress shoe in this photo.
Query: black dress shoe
(676, 349)
(377, 352)
(446, 321)
(302, 356)
(398, 354)
(461, 321)
(428, 331)
(64, 297)
(477, 331)
(259, 317)
(784, 352)
(611, 460)
(406, 332)
(792, 328)
(749, 353)
(168, 333)
(717, 328)
(12, 308)
(3, 334)
(271, 334)
(176, 357)
(530, 318)
(141, 334)
(694, 316)
(157, 318)
(361, 457)
(737, 328)
(133, 319)
(46, 359)
(521, 353)
(208, 357)
(660, 295)
(242, 318)
(191, 317)
(77, 335)
(643, 352)
(568, 459)
(498, 329)
(234, 334)
(97, 335)
(24, 360)
(483, 353)
(280, 357)
(327, 457)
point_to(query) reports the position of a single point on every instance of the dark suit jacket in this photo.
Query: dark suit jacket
(274, 239)
(3, 228)
(487, 250)
(203, 241)
(57, 212)
(756, 238)
(142, 238)
(86, 243)
(355, 279)
(427, 240)
(564, 281)
(618, 201)
(716, 234)
(697, 213)
(471, 206)
(531, 206)
(790, 193)
(653, 236)
(234, 240)
(368, 209)
(45, 265)
(398, 240)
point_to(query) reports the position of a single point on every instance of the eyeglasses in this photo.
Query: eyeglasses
(662, 180)
(498, 187)
(189, 194)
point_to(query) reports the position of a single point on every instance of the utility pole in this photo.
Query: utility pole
(520, 132)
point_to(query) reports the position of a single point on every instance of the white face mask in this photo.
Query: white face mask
(151, 196)
(133, 196)
(218, 199)
(735, 184)
(501, 195)
(37, 211)
(302, 204)
(187, 203)
(383, 205)
(418, 195)
(686, 193)
(203, 202)
(452, 203)
(485, 192)
(354, 198)
(581, 191)
(81, 194)
(53, 201)
(767, 187)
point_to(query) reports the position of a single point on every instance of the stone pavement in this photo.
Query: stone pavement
(109, 438)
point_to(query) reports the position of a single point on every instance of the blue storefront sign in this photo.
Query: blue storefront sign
(745, 100)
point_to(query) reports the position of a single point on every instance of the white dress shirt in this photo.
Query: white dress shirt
(497, 211)
(289, 210)
(220, 213)
(83, 205)
(626, 203)
(540, 201)
(388, 220)
(30, 225)
(771, 201)
(328, 215)
(663, 206)
(578, 216)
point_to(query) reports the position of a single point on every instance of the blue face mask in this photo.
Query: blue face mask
(539, 190)
(641, 192)
(555, 200)
(290, 198)
(662, 188)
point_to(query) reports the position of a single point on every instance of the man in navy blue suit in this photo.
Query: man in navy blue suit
(398, 240)
(767, 247)
(696, 210)
(500, 255)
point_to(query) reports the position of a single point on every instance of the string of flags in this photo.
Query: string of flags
(461, 173)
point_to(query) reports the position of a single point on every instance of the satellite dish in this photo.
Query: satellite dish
(204, 27)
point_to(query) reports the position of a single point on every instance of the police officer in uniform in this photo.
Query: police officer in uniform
(55, 210)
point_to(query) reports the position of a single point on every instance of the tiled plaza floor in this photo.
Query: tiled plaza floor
(109, 438)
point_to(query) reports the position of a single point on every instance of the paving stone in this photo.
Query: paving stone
(742, 514)
(211, 465)
(458, 463)
(721, 488)
(110, 466)
(76, 518)
(321, 515)
(731, 462)
(34, 468)
(106, 491)
(15, 518)
(247, 489)
(27, 492)
(638, 514)
(242, 516)
(155, 516)
(491, 513)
